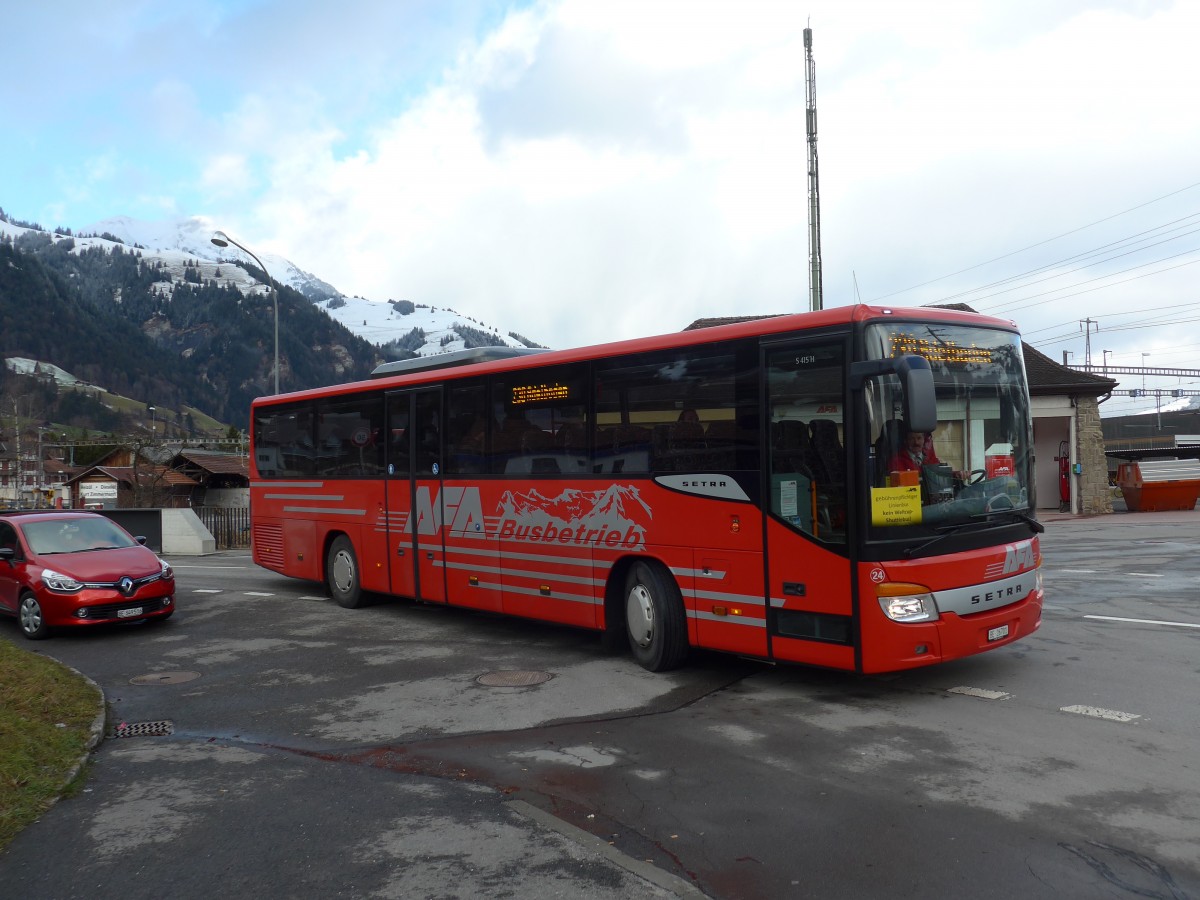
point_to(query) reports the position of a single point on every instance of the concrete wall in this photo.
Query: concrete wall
(171, 531)
(183, 534)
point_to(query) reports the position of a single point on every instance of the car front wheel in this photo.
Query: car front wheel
(29, 615)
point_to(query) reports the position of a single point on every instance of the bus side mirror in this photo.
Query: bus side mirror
(920, 402)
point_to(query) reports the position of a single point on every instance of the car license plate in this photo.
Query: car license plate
(994, 634)
(137, 611)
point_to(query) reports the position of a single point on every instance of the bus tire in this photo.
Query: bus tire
(654, 617)
(341, 574)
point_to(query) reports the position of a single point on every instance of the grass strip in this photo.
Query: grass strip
(46, 714)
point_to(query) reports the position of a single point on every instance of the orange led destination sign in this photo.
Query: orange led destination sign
(523, 394)
(939, 351)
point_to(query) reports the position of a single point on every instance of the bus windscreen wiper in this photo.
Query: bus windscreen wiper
(1016, 514)
(943, 532)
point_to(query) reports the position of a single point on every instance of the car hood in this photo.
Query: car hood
(104, 565)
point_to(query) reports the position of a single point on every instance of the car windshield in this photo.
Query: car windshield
(976, 466)
(74, 535)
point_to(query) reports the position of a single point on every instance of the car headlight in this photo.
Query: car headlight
(60, 583)
(167, 571)
(906, 602)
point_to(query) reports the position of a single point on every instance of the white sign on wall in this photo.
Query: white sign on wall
(98, 490)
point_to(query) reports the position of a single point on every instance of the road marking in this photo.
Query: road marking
(1113, 715)
(257, 594)
(207, 568)
(205, 591)
(981, 693)
(1147, 574)
(312, 597)
(1078, 571)
(1145, 621)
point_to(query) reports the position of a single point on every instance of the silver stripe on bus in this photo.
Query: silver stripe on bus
(327, 510)
(990, 595)
(338, 497)
(719, 487)
(698, 573)
(530, 557)
(536, 592)
(744, 599)
(531, 576)
(727, 620)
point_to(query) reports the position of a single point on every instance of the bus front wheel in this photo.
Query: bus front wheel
(341, 574)
(654, 617)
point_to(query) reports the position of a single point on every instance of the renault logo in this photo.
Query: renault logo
(125, 585)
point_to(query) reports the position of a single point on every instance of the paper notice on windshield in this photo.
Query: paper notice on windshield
(896, 505)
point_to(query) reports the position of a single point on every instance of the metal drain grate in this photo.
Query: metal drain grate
(143, 729)
(513, 678)
(165, 678)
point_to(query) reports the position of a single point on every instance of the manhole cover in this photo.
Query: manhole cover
(513, 678)
(165, 678)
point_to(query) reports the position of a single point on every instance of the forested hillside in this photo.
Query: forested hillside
(116, 319)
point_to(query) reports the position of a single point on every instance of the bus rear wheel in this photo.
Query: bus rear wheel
(654, 617)
(341, 574)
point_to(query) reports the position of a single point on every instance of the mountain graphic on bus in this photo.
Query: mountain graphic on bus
(585, 515)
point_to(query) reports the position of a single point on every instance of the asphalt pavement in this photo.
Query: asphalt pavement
(266, 742)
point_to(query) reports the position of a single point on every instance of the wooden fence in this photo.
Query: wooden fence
(230, 527)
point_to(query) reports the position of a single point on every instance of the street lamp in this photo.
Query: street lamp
(153, 427)
(221, 239)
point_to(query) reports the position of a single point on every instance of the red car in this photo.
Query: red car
(78, 568)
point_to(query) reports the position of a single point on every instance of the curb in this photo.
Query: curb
(95, 733)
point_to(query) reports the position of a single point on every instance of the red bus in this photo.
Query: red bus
(739, 488)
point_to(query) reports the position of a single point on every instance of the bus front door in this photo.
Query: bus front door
(414, 494)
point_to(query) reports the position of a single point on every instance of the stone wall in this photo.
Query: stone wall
(1092, 491)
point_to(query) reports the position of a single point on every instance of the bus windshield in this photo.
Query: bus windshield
(976, 467)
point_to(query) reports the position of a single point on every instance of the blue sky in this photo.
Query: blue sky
(581, 170)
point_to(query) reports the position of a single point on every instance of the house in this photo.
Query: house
(221, 479)
(121, 487)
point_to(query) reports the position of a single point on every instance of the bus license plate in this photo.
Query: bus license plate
(994, 634)
(137, 611)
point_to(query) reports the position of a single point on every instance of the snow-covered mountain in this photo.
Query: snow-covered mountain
(183, 243)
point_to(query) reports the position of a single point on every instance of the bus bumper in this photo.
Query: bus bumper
(908, 646)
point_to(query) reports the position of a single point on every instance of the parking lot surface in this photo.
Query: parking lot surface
(266, 741)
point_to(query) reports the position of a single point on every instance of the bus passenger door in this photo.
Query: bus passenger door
(811, 615)
(414, 498)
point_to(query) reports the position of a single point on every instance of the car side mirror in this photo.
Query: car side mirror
(141, 539)
(7, 554)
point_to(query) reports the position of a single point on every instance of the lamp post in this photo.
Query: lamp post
(153, 426)
(221, 239)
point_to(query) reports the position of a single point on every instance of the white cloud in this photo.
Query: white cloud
(583, 171)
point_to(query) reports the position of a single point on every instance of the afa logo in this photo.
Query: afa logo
(458, 508)
(1017, 558)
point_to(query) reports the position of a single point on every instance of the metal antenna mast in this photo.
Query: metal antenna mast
(814, 190)
(1087, 344)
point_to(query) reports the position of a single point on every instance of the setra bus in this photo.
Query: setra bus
(850, 488)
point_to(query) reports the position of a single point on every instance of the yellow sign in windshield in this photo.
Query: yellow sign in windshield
(896, 505)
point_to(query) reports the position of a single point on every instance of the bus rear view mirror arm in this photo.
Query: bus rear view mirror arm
(920, 403)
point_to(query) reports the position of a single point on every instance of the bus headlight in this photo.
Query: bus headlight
(907, 602)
